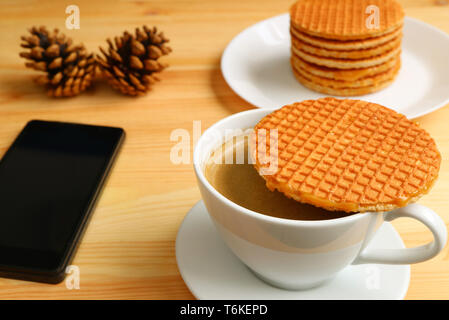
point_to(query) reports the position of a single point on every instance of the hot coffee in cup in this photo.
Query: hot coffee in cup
(239, 182)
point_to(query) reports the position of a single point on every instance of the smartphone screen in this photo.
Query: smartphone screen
(49, 181)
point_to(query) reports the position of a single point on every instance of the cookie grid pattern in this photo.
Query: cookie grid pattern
(344, 19)
(349, 155)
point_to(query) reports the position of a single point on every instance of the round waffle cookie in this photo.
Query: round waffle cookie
(347, 54)
(347, 155)
(362, 82)
(346, 63)
(346, 19)
(342, 91)
(345, 45)
(343, 74)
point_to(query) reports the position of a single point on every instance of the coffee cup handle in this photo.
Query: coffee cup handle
(409, 255)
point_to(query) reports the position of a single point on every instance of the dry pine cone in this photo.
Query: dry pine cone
(131, 65)
(69, 69)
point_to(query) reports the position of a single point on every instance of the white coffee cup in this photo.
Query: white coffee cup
(295, 254)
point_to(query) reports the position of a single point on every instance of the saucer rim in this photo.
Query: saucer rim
(400, 296)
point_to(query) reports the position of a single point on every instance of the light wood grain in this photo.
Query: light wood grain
(128, 249)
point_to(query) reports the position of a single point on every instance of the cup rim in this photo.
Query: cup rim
(254, 214)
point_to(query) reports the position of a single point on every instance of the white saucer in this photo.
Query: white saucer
(256, 65)
(211, 271)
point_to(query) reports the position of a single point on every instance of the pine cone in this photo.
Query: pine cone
(69, 69)
(132, 64)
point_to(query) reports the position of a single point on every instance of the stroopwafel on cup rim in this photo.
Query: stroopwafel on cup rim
(348, 155)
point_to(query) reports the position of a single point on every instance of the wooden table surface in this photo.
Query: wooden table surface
(128, 251)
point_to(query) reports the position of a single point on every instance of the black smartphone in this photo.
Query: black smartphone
(50, 179)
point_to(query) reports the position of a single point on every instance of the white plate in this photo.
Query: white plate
(256, 65)
(211, 271)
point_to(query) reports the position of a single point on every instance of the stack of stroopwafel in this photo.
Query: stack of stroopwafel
(346, 47)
